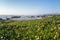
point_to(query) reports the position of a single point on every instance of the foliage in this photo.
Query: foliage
(1, 19)
(7, 18)
(47, 28)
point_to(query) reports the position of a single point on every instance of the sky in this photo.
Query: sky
(29, 7)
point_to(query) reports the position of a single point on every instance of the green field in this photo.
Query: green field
(47, 28)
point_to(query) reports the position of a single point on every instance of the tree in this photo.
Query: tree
(1, 19)
(7, 18)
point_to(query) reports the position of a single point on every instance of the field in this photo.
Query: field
(47, 28)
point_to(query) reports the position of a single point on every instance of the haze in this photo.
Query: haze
(29, 7)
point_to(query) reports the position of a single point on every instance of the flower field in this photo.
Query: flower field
(47, 28)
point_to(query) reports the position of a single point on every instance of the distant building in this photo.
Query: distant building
(16, 17)
(32, 16)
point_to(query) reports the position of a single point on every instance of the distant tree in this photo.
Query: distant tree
(7, 18)
(16, 17)
(1, 19)
(43, 16)
(38, 16)
(32, 16)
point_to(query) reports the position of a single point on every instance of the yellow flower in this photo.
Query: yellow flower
(30, 39)
(37, 38)
(54, 27)
(59, 28)
(55, 37)
(56, 33)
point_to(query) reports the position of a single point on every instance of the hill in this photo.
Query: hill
(47, 28)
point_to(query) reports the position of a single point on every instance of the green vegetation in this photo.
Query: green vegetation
(47, 28)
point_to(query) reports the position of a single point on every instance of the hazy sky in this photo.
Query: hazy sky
(29, 7)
